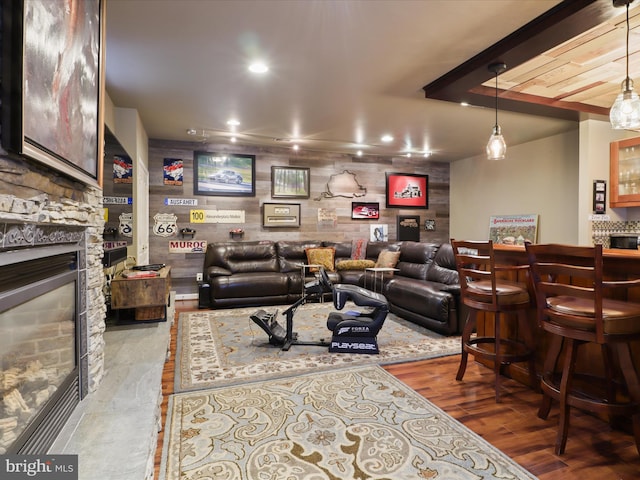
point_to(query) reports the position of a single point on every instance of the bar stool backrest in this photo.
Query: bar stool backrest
(574, 274)
(476, 263)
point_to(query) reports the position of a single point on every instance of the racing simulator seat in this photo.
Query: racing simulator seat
(355, 332)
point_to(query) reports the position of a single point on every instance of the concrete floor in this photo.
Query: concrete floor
(114, 430)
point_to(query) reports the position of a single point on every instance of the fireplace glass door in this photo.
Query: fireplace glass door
(38, 351)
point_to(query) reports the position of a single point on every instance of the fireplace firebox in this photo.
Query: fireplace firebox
(41, 346)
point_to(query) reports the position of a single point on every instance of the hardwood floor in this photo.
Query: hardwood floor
(594, 451)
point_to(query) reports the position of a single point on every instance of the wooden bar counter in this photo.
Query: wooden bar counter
(618, 264)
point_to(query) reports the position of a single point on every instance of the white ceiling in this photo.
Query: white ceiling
(338, 69)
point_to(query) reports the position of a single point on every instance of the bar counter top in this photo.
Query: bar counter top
(607, 252)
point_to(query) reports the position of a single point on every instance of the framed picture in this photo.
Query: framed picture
(599, 197)
(51, 85)
(280, 214)
(224, 174)
(290, 182)
(365, 211)
(379, 233)
(408, 228)
(407, 190)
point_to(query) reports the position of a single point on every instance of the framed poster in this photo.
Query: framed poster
(513, 229)
(408, 228)
(290, 182)
(172, 171)
(224, 174)
(365, 211)
(51, 84)
(407, 190)
(281, 215)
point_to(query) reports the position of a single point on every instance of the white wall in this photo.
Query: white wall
(539, 177)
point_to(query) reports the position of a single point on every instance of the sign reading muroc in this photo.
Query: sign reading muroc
(187, 246)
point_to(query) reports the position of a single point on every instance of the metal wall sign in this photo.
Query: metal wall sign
(187, 246)
(216, 216)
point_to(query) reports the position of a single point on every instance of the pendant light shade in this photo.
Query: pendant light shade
(625, 111)
(496, 148)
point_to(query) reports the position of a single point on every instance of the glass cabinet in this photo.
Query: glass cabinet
(625, 173)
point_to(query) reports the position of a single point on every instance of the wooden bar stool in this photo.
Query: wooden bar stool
(483, 291)
(569, 287)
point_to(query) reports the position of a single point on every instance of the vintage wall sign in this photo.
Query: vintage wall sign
(181, 202)
(165, 224)
(117, 200)
(125, 228)
(187, 246)
(216, 216)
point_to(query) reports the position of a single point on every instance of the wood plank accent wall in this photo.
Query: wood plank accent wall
(369, 172)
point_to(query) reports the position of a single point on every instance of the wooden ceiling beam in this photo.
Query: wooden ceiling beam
(554, 27)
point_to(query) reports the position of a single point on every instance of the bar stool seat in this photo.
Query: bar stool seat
(482, 290)
(569, 286)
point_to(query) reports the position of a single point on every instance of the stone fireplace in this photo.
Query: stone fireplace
(50, 261)
(43, 333)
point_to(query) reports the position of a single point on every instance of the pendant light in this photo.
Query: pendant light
(625, 111)
(496, 148)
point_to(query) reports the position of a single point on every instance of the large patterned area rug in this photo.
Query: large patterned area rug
(224, 347)
(352, 423)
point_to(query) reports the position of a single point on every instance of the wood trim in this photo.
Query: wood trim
(561, 23)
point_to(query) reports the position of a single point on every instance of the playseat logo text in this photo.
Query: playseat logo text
(353, 346)
(344, 330)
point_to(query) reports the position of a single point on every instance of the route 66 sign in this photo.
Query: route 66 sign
(165, 225)
(125, 228)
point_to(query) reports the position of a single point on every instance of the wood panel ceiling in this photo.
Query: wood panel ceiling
(551, 70)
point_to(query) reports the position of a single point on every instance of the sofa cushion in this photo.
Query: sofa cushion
(443, 269)
(343, 249)
(387, 259)
(359, 249)
(354, 264)
(415, 259)
(217, 272)
(292, 254)
(374, 248)
(321, 256)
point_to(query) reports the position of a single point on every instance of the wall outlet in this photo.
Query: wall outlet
(198, 277)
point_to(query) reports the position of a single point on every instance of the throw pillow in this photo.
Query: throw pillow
(354, 264)
(387, 259)
(359, 249)
(321, 256)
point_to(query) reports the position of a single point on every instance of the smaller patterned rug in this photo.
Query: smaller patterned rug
(352, 423)
(225, 347)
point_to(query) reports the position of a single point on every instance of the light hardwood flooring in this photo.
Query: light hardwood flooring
(594, 451)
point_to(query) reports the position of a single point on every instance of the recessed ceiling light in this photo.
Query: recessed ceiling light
(258, 67)
(387, 138)
(464, 104)
(359, 153)
(233, 123)
(233, 139)
(295, 147)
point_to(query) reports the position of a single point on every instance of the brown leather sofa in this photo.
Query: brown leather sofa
(424, 289)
